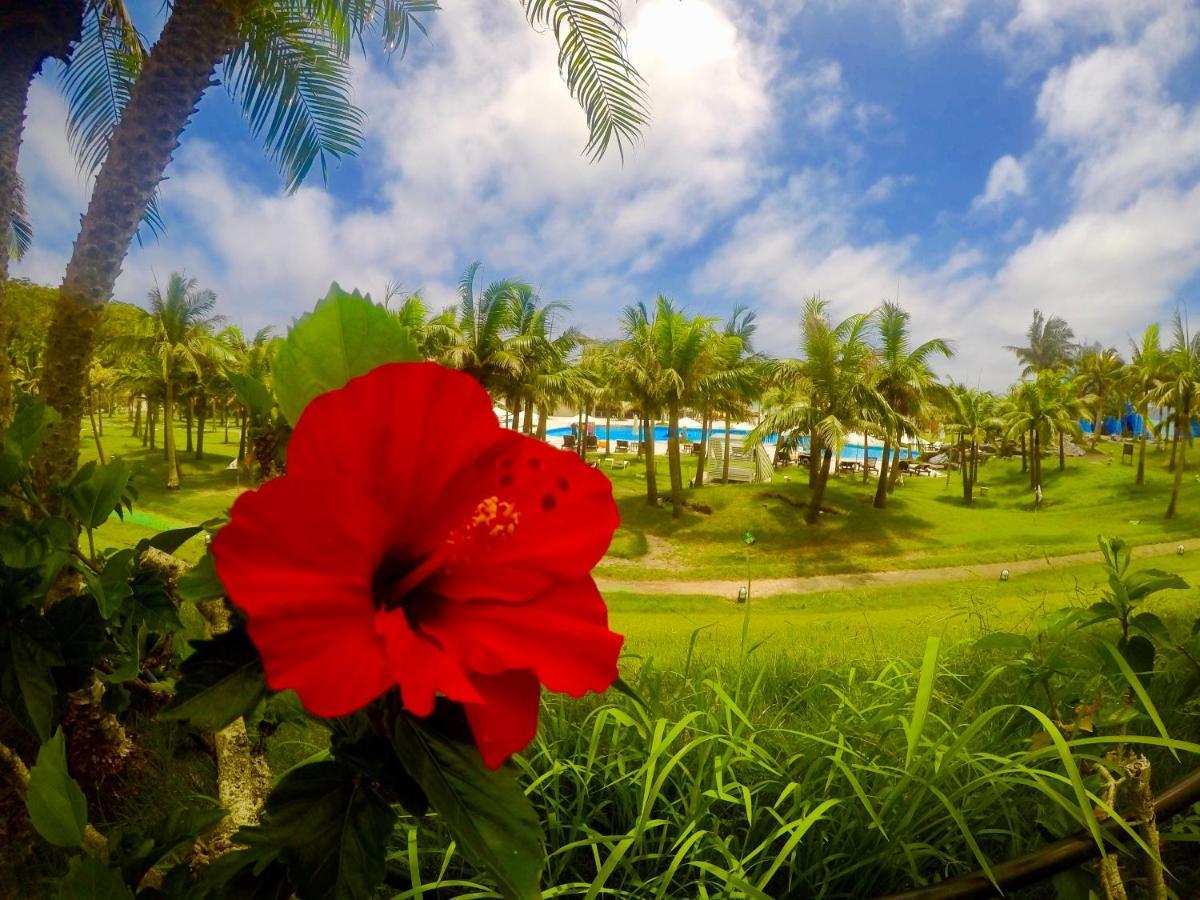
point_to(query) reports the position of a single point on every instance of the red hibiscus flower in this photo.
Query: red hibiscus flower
(415, 542)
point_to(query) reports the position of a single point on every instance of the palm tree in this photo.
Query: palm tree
(178, 331)
(251, 360)
(1179, 389)
(734, 380)
(285, 61)
(1142, 377)
(1049, 344)
(904, 380)
(480, 347)
(839, 394)
(541, 356)
(1042, 407)
(683, 347)
(641, 380)
(1099, 372)
(972, 418)
(433, 333)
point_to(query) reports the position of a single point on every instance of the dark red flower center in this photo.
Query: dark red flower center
(401, 582)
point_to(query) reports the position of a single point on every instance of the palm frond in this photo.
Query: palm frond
(592, 58)
(20, 235)
(291, 79)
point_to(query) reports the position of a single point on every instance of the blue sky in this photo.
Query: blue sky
(980, 158)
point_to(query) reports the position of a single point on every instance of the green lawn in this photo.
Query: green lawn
(925, 524)
(873, 625)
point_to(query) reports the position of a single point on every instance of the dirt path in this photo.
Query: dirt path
(770, 587)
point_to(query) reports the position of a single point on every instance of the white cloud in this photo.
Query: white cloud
(1006, 179)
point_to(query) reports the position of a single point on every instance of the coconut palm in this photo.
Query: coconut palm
(1179, 389)
(248, 359)
(1099, 371)
(972, 419)
(433, 333)
(178, 332)
(839, 391)
(1049, 344)
(542, 357)
(485, 317)
(286, 64)
(904, 380)
(1141, 377)
(1043, 407)
(732, 383)
(641, 381)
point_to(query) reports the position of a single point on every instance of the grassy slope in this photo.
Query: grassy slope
(925, 524)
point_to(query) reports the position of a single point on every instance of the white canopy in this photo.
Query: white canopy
(687, 422)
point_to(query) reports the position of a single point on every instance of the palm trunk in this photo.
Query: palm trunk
(702, 456)
(866, 455)
(137, 417)
(1141, 466)
(651, 472)
(189, 420)
(884, 465)
(1096, 423)
(814, 460)
(608, 432)
(1181, 463)
(1174, 444)
(541, 423)
(177, 72)
(148, 431)
(169, 434)
(895, 471)
(1033, 459)
(527, 423)
(1062, 452)
(241, 457)
(27, 43)
(225, 420)
(725, 460)
(965, 468)
(818, 495)
(1024, 458)
(201, 419)
(674, 465)
(1037, 459)
(96, 430)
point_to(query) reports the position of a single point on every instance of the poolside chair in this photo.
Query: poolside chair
(614, 463)
(622, 446)
(592, 442)
(569, 442)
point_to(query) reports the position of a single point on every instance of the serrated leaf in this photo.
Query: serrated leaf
(57, 807)
(329, 828)
(486, 811)
(88, 878)
(111, 587)
(96, 491)
(222, 680)
(345, 336)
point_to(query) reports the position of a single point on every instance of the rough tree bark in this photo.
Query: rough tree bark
(176, 73)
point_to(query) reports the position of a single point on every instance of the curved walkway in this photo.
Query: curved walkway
(770, 587)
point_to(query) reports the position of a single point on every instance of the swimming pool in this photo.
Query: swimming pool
(850, 452)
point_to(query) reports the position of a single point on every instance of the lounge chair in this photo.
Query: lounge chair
(592, 442)
(614, 463)
(569, 442)
(622, 446)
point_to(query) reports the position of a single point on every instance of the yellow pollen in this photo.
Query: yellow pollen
(492, 518)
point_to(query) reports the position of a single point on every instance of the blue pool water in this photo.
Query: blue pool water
(850, 452)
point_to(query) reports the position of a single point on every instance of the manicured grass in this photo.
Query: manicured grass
(924, 525)
(872, 625)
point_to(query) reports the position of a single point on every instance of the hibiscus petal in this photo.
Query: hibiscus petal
(561, 635)
(565, 521)
(401, 433)
(506, 720)
(421, 668)
(297, 557)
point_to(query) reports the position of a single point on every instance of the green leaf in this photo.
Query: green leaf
(1150, 581)
(330, 829)
(30, 425)
(345, 336)
(220, 681)
(89, 879)
(923, 699)
(57, 807)
(1139, 653)
(22, 546)
(200, 582)
(172, 540)
(28, 681)
(111, 587)
(1152, 625)
(486, 811)
(251, 392)
(96, 491)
